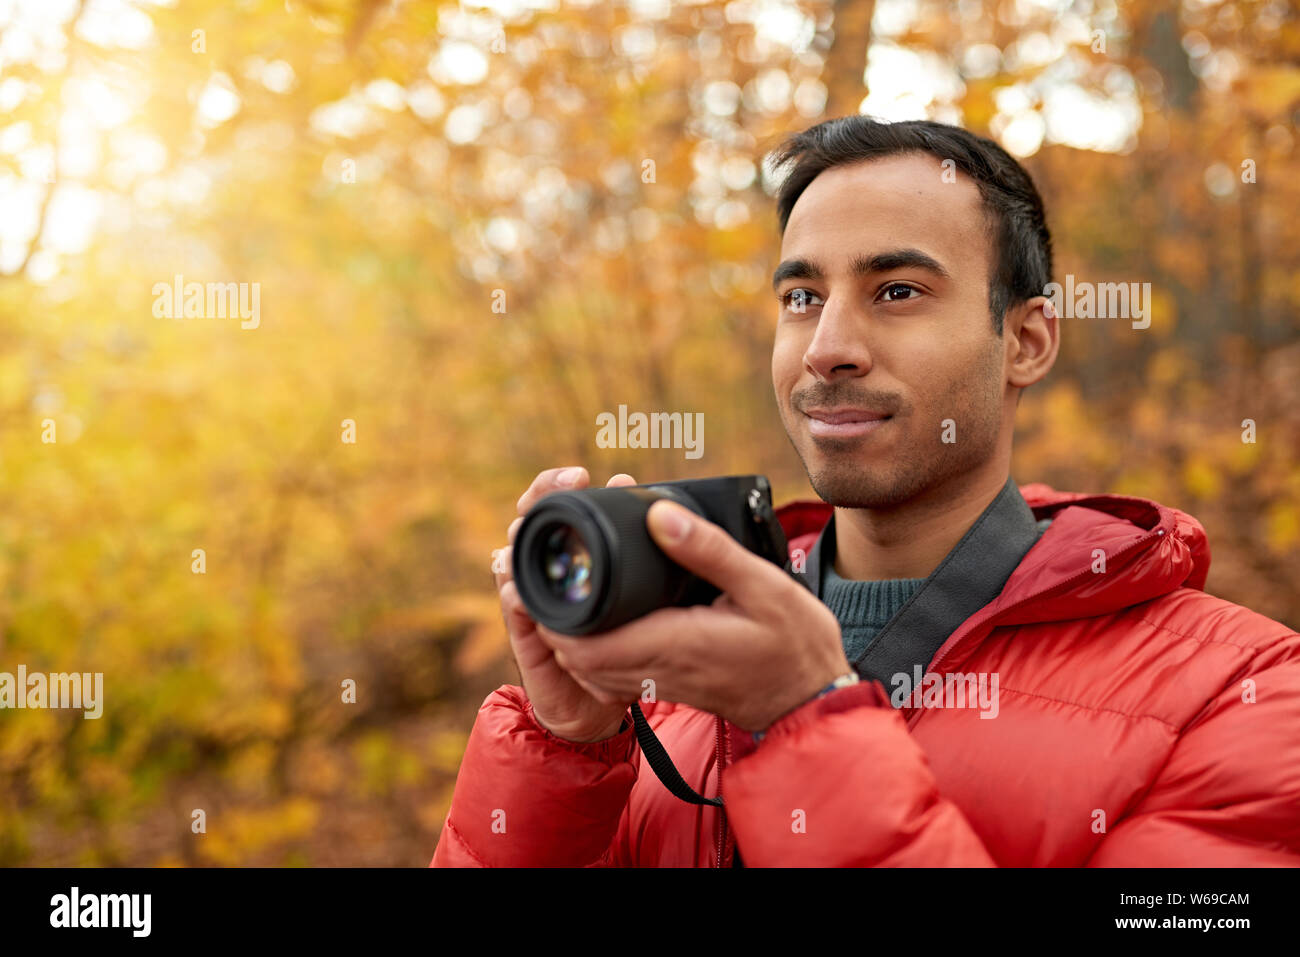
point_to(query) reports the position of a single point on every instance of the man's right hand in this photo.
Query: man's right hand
(562, 704)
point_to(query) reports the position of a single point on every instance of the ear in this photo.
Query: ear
(1032, 337)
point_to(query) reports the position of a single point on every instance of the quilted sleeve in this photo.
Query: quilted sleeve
(1229, 793)
(839, 782)
(525, 798)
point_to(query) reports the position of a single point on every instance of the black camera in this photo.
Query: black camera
(584, 561)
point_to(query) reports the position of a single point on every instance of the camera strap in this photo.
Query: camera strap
(662, 765)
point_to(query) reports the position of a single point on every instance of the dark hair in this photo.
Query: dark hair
(1023, 265)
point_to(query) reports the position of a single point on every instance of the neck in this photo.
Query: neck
(911, 539)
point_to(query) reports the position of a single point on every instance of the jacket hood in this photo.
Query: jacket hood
(1102, 553)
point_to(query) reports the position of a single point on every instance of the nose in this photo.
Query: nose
(839, 347)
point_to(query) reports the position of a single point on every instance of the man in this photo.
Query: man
(1043, 680)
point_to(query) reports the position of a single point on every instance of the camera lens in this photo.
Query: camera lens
(584, 561)
(566, 561)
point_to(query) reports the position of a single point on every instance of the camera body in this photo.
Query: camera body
(584, 561)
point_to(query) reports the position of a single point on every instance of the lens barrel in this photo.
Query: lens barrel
(584, 561)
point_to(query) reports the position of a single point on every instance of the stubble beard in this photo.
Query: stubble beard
(844, 476)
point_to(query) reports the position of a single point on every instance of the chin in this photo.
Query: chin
(858, 498)
(847, 488)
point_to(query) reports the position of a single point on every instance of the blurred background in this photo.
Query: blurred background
(474, 228)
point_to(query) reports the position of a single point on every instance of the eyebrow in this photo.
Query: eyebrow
(861, 266)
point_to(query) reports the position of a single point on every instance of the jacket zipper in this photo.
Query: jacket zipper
(1153, 534)
(722, 811)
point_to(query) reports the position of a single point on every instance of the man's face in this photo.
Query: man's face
(890, 381)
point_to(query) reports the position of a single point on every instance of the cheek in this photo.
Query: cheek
(973, 382)
(787, 365)
(944, 381)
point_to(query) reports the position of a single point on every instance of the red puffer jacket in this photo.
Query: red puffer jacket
(1140, 722)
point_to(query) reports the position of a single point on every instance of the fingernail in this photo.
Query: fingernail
(568, 476)
(671, 521)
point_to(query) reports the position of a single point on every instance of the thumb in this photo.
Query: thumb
(703, 548)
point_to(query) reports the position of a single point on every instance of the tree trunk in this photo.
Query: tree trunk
(846, 60)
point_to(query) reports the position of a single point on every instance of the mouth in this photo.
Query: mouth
(844, 423)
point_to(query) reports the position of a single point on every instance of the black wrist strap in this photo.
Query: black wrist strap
(662, 765)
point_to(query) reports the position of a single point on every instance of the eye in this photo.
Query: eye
(798, 300)
(895, 286)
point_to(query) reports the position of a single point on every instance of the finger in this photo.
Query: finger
(502, 565)
(705, 549)
(530, 653)
(528, 650)
(621, 658)
(574, 476)
(512, 609)
(620, 480)
(513, 529)
(580, 653)
(596, 691)
(593, 685)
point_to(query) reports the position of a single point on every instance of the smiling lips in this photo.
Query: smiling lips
(844, 423)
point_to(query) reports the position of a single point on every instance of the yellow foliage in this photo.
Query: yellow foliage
(1202, 478)
(1283, 523)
